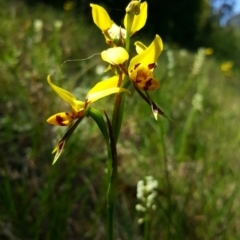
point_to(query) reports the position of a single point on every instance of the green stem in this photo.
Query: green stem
(130, 18)
(146, 227)
(114, 130)
(120, 99)
(112, 187)
(108, 134)
(116, 117)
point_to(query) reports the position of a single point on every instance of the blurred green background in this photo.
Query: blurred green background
(194, 158)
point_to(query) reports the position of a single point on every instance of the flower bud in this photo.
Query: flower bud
(133, 8)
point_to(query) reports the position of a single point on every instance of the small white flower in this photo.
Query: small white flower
(197, 101)
(170, 62)
(37, 25)
(57, 24)
(140, 220)
(151, 197)
(146, 193)
(154, 207)
(140, 195)
(151, 186)
(198, 62)
(149, 178)
(100, 69)
(140, 189)
(183, 52)
(140, 208)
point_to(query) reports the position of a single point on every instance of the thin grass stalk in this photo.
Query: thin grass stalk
(185, 133)
(189, 122)
(167, 179)
(8, 192)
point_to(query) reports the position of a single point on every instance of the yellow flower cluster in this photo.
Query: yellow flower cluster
(138, 70)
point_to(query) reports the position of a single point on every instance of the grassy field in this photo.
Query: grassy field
(194, 157)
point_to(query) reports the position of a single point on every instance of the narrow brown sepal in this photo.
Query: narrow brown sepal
(61, 143)
(155, 109)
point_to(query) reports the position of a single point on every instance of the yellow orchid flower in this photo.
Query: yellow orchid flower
(112, 32)
(100, 90)
(141, 66)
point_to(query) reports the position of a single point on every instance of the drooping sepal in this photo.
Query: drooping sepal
(155, 109)
(66, 96)
(61, 143)
(101, 17)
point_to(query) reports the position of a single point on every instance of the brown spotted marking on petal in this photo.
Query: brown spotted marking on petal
(60, 120)
(148, 84)
(135, 67)
(151, 66)
(142, 76)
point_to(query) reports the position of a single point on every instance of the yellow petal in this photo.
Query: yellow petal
(61, 119)
(66, 96)
(105, 84)
(140, 47)
(115, 56)
(139, 20)
(104, 88)
(149, 55)
(97, 95)
(101, 17)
